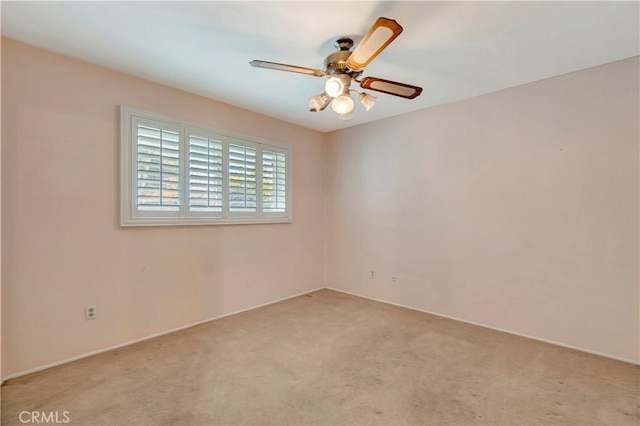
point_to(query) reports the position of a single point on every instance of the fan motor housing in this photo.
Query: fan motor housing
(336, 63)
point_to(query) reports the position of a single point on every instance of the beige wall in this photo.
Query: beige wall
(1, 380)
(61, 245)
(517, 209)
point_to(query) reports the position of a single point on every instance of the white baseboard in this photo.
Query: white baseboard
(564, 345)
(131, 342)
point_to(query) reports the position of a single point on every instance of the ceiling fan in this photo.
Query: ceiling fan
(345, 66)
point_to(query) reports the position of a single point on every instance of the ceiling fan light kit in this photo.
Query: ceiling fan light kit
(342, 104)
(345, 66)
(319, 102)
(367, 100)
(337, 85)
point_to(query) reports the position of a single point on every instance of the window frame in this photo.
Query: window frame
(130, 215)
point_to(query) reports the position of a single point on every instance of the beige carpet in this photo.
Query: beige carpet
(333, 359)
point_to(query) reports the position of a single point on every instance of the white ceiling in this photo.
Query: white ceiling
(454, 50)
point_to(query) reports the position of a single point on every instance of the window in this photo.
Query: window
(178, 173)
(243, 186)
(274, 187)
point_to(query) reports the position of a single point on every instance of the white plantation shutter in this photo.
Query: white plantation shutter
(274, 185)
(179, 173)
(205, 174)
(243, 188)
(158, 168)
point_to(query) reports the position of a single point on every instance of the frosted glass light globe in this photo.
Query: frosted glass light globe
(334, 87)
(343, 104)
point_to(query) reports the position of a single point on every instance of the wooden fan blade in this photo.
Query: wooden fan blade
(285, 67)
(383, 32)
(391, 87)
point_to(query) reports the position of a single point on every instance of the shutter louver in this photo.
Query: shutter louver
(274, 189)
(205, 174)
(158, 168)
(242, 179)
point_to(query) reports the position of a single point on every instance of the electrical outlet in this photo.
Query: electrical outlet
(373, 274)
(393, 279)
(90, 312)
